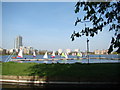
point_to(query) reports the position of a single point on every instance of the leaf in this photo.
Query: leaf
(85, 8)
(92, 11)
(77, 4)
(77, 10)
(118, 36)
(96, 32)
(75, 23)
(112, 41)
(73, 38)
(85, 17)
(110, 49)
(118, 51)
(102, 12)
(107, 14)
(110, 28)
(99, 10)
(87, 34)
(73, 33)
(92, 34)
(113, 26)
(105, 23)
(77, 34)
(91, 18)
(78, 20)
(116, 44)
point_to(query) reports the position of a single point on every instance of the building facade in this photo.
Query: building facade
(2, 51)
(18, 42)
(76, 50)
(101, 51)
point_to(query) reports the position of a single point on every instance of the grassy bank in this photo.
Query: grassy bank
(70, 72)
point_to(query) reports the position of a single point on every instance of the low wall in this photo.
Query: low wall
(37, 78)
(26, 79)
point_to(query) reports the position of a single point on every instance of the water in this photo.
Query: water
(93, 85)
(3, 58)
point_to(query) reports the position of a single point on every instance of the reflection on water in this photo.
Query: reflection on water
(13, 86)
(58, 86)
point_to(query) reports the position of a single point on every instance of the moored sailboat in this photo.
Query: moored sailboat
(53, 55)
(20, 54)
(64, 55)
(45, 56)
(34, 54)
(79, 54)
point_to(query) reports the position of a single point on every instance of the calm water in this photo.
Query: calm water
(3, 58)
(57, 86)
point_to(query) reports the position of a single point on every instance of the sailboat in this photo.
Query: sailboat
(53, 55)
(34, 55)
(20, 54)
(45, 56)
(79, 54)
(64, 55)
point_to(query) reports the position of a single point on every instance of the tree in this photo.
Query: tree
(100, 14)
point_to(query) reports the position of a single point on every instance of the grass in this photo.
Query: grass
(12, 68)
(72, 72)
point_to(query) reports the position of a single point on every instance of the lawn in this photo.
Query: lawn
(108, 72)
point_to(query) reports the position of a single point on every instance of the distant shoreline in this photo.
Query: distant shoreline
(70, 54)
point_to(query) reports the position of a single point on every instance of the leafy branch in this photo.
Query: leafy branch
(100, 14)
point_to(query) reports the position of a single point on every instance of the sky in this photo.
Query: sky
(46, 26)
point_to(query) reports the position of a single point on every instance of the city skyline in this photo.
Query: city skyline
(46, 26)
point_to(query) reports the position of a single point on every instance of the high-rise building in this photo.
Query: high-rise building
(18, 43)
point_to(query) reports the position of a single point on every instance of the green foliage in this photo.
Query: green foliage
(100, 14)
